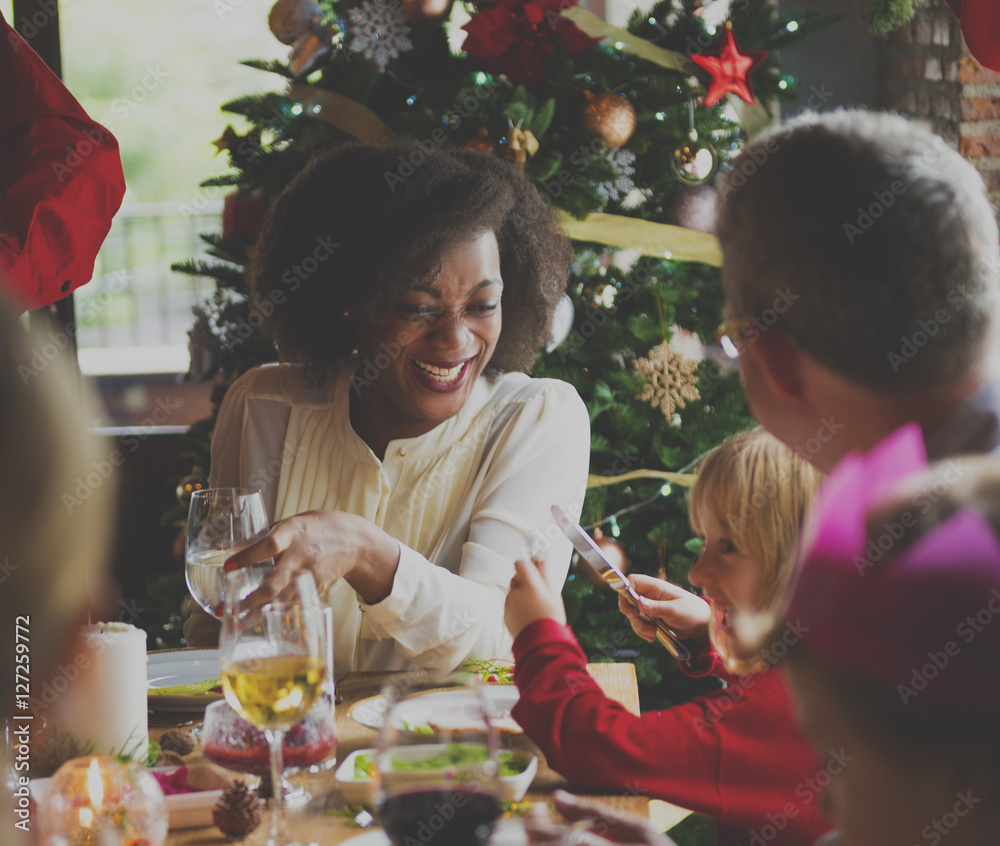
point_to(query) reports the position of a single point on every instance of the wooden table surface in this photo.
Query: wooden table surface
(314, 824)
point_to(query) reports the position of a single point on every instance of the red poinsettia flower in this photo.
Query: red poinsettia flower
(514, 36)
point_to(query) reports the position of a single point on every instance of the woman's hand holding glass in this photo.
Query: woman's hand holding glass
(332, 545)
(222, 521)
(686, 613)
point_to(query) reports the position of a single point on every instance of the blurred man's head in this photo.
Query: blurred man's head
(862, 244)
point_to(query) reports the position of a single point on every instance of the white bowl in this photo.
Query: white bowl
(194, 810)
(360, 791)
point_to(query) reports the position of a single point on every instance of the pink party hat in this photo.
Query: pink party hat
(924, 619)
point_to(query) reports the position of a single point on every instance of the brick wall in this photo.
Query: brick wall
(925, 71)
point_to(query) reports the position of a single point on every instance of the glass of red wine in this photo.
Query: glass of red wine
(436, 769)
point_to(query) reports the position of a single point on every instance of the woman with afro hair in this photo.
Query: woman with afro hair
(402, 450)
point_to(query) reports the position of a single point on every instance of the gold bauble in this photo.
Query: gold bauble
(289, 20)
(613, 552)
(610, 117)
(427, 11)
(482, 143)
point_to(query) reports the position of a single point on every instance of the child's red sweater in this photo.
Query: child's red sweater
(733, 754)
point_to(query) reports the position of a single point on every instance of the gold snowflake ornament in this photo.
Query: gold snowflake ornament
(671, 380)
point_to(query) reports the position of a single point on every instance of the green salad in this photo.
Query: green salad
(511, 763)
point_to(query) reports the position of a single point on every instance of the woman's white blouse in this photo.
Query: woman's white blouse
(464, 501)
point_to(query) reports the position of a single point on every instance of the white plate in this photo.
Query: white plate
(181, 666)
(508, 833)
(438, 706)
(358, 791)
(184, 810)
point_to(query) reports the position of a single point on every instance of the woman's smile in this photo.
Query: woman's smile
(442, 376)
(443, 333)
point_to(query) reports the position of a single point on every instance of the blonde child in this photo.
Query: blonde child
(898, 668)
(733, 754)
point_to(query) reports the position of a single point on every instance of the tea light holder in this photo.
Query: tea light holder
(99, 801)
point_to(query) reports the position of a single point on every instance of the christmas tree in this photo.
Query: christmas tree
(624, 131)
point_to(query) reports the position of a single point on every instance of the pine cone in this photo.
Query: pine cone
(238, 812)
(181, 742)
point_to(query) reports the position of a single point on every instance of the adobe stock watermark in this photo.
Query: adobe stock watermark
(459, 112)
(937, 661)
(752, 328)
(806, 792)
(927, 330)
(87, 310)
(721, 702)
(240, 330)
(828, 429)
(883, 198)
(940, 828)
(95, 136)
(67, 673)
(84, 486)
(893, 531)
(6, 570)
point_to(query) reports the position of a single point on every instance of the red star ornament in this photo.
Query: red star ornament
(730, 70)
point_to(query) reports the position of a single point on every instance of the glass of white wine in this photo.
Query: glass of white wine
(221, 521)
(273, 664)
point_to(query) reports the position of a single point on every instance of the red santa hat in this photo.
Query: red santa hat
(981, 28)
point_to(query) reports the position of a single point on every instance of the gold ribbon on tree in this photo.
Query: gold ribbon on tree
(661, 240)
(346, 114)
(622, 39)
(685, 480)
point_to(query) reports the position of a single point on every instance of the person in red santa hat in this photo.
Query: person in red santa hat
(981, 28)
(61, 180)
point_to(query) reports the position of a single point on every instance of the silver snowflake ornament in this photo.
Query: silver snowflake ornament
(623, 162)
(379, 31)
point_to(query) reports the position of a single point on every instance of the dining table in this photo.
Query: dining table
(324, 819)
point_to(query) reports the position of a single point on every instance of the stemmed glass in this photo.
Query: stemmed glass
(221, 521)
(273, 663)
(436, 769)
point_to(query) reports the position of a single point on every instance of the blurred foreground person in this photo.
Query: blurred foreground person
(899, 598)
(52, 555)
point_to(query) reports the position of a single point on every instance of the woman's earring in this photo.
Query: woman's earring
(346, 315)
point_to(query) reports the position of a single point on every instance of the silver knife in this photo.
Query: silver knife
(607, 572)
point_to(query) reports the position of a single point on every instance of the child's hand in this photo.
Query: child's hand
(531, 598)
(685, 613)
(604, 825)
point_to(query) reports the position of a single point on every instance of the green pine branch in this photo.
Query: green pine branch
(884, 16)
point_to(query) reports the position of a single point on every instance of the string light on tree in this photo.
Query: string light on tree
(427, 12)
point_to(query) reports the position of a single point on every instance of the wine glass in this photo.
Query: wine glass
(221, 521)
(436, 769)
(273, 664)
(311, 744)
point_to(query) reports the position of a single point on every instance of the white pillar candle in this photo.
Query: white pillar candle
(107, 704)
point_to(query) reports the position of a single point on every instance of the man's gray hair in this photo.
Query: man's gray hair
(876, 237)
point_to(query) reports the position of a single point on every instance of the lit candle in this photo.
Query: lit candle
(99, 800)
